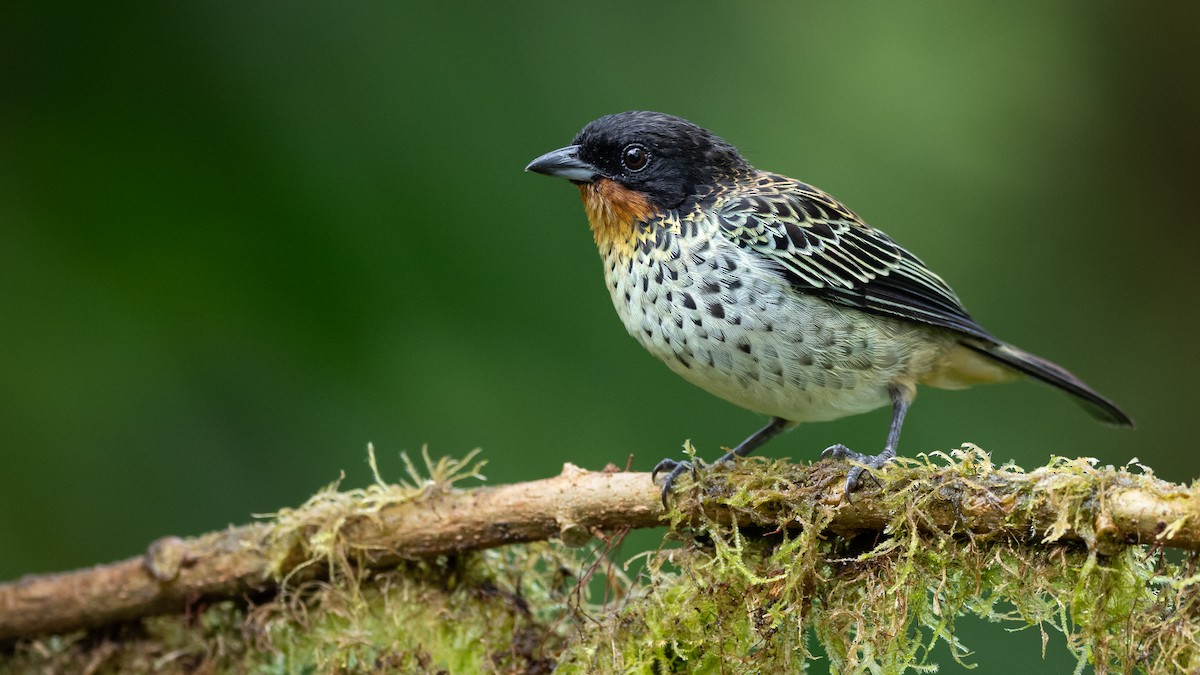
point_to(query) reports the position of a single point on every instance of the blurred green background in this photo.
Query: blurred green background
(239, 241)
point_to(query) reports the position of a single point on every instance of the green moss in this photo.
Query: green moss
(495, 611)
(747, 597)
(479, 613)
(881, 602)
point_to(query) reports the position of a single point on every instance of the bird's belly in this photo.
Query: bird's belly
(747, 337)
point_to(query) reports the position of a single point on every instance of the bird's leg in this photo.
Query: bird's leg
(756, 439)
(901, 398)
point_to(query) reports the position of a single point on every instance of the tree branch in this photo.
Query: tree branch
(1105, 509)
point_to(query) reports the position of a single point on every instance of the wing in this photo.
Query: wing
(824, 248)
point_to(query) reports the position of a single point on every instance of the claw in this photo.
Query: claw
(837, 451)
(675, 469)
(772, 429)
(664, 465)
(855, 474)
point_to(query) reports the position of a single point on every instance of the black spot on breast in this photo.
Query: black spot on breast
(658, 274)
(688, 301)
(745, 347)
(710, 287)
(735, 284)
(661, 238)
(717, 310)
(673, 273)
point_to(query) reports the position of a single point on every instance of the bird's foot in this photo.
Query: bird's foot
(674, 469)
(855, 474)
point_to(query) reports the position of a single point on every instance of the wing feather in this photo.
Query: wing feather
(824, 248)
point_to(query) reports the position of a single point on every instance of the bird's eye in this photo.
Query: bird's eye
(635, 157)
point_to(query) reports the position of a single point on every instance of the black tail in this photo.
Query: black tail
(1038, 368)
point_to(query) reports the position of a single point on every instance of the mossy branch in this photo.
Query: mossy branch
(1104, 509)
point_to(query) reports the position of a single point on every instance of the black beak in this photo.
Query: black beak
(565, 163)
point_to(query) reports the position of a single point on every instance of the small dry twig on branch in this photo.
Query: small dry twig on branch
(1101, 508)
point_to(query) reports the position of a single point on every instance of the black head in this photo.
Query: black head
(666, 158)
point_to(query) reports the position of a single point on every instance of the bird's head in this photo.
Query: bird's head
(634, 167)
(665, 160)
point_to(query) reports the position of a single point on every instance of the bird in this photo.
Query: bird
(770, 293)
